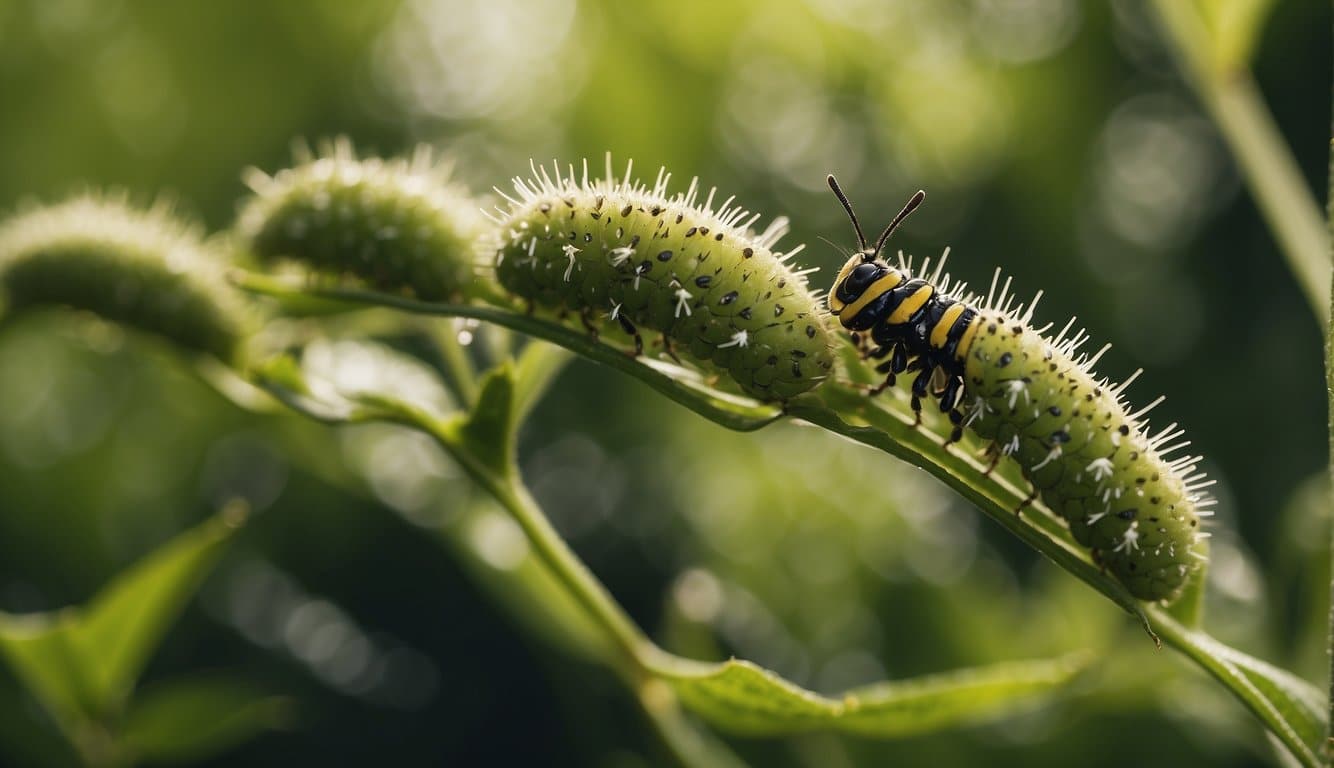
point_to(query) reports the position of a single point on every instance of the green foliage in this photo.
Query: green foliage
(188, 720)
(742, 697)
(1234, 30)
(1114, 214)
(82, 663)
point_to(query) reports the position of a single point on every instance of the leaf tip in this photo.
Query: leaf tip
(235, 513)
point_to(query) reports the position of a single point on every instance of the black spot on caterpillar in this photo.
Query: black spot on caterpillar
(1092, 460)
(143, 269)
(620, 251)
(397, 225)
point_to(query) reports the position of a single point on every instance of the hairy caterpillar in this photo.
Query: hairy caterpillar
(398, 225)
(619, 250)
(140, 268)
(1093, 462)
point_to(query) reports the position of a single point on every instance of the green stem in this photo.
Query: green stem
(458, 369)
(1329, 382)
(885, 423)
(571, 571)
(690, 746)
(1220, 662)
(1230, 95)
(840, 410)
(678, 384)
(507, 488)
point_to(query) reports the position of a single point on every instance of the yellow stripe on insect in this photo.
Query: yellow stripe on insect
(873, 291)
(910, 305)
(966, 340)
(940, 333)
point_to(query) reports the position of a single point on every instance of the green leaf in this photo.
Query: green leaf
(39, 649)
(197, 718)
(931, 703)
(744, 698)
(488, 433)
(83, 662)
(1234, 29)
(1293, 709)
(125, 622)
(537, 367)
(28, 736)
(1189, 607)
(733, 694)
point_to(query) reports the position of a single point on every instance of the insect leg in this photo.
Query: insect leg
(899, 359)
(586, 317)
(670, 349)
(956, 433)
(630, 328)
(950, 397)
(919, 386)
(1029, 499)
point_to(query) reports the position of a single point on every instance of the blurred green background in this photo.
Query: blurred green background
(1054, 138)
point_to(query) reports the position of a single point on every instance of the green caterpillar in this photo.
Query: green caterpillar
(140, 268)
(397, 225)
(1092, 461)
(619, 250)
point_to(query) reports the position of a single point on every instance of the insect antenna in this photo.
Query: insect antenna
(908, 208)
(847, 206)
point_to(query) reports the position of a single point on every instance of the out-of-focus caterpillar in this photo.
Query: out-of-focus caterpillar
(397, 225)
(140, 268)
(1091, 459)
(619, 250)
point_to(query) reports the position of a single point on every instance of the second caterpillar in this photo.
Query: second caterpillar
(1090, 459)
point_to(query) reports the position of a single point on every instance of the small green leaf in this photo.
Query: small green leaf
(489, 431)
(83, 662)
(1293, 709)
(1189, 607)
(283, 371)
(39, 649)
(125, 622)
(744, 698)
(1234, 29)
(537, 367)
(28, 737)
(187, 720)
(934, 702)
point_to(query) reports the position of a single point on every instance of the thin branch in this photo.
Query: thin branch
(1230, 95)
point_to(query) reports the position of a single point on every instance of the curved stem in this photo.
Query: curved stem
(1230, 95)
(681, 385)
(1223, 664)
(458, 369)
(1329, 381)
(571, 571)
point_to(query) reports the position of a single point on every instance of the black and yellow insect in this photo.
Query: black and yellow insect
(1090, 459)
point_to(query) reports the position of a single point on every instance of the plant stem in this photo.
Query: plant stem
(1215, 659)
(678, 384)
(457, 368)
(1230, 95)
(572, 572)
(1329, 382)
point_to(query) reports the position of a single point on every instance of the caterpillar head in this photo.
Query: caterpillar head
(865, 277)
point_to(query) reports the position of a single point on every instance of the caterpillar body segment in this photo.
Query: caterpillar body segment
(396, 225)
(615, 251)
(1036, 398)
(140, 268)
